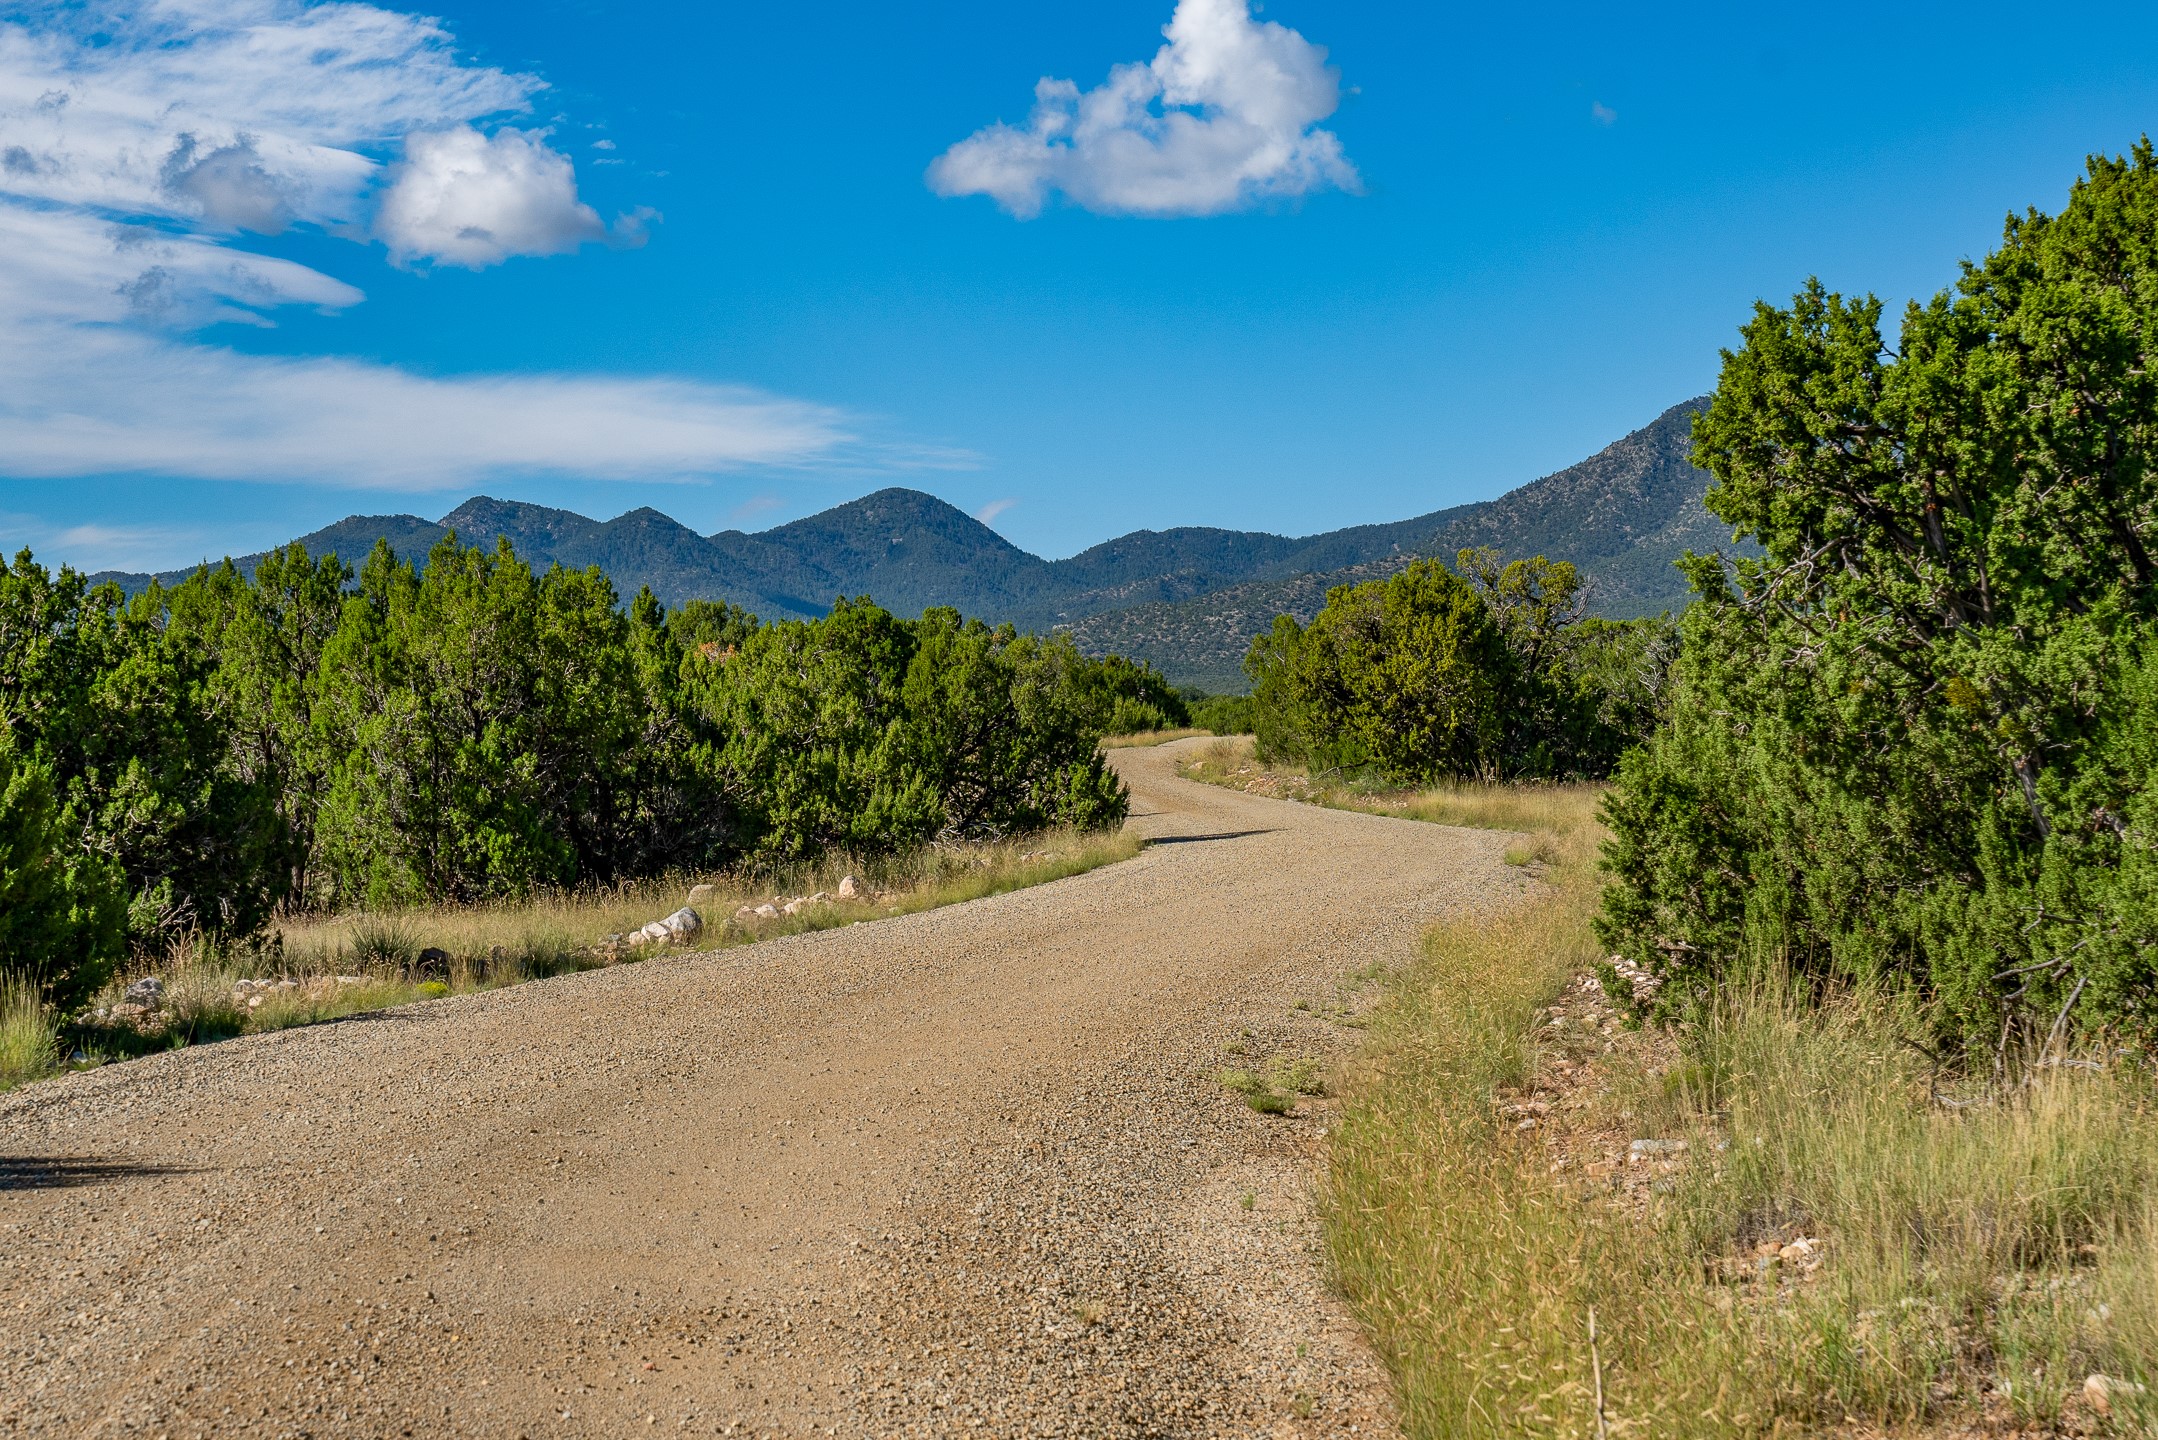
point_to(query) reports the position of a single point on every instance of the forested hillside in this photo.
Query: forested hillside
(1622, 517)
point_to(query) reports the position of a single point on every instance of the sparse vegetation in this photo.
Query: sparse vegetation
(1273, 1089)
(29, 1034)
(1257, 1092)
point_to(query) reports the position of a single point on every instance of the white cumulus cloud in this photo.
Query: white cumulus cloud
(1226, 114)
(464, 198)
(143, 141)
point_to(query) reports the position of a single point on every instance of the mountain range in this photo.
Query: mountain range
(1188, 599)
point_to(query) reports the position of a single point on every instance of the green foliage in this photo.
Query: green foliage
(117, 707)
(719, 624)
(485, 722)
(1432, 674)
(1126, 697)
(1223, 714)
(1257, 1092)
(29, 1033)
(1917, 740)
(868, 733)
(62, 909)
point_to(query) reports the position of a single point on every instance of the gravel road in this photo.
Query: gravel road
(963, 1172)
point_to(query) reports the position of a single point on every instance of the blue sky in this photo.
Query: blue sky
(271, 264)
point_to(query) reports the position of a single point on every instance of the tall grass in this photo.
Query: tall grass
(29, 1033)
(1980, 1255)
(1450, 1242)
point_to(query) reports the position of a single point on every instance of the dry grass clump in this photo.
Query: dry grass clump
(1149, 737)
(1274, 1090)
(29, 1034)
(314, 969)
(1975, 1262)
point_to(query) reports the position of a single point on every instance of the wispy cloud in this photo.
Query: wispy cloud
(1602, 114)
(988, 513)
(140, 144)
(1226, 114)
(172, 408)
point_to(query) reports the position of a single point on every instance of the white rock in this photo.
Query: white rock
(793, 907)
(148, 991)
(657, 930)
(683, 923)
(703, 894)
(767, 912)
(849, 888)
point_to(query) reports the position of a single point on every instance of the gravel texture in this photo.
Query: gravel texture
(963, 1172)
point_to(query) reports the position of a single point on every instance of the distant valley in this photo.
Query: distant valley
(1189, 600)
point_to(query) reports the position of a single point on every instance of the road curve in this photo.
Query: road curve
(960, 1172)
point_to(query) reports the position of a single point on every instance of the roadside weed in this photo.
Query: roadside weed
(1256, 1092)
(29, 1034)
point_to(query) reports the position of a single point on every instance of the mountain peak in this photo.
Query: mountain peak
(1188, 598)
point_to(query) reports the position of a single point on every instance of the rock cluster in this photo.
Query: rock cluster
(773, 909)
(849, 889)
(1644, 984)
(252, 993)
(139, 1005)
(680, 928)
(143, 1002)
